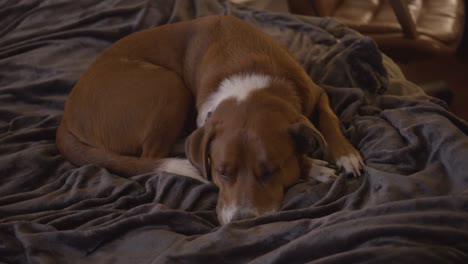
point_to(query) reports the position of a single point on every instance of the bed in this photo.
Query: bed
(410, 206)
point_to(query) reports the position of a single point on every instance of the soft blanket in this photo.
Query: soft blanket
(409, 207)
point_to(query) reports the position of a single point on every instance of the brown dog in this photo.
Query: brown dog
(253, 100)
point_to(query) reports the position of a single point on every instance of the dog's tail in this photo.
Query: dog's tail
(81, 154)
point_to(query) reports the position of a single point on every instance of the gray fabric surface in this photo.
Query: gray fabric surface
(409, 207)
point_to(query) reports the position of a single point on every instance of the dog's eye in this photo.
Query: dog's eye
(268, 170)
(224, 174)
(268, 174)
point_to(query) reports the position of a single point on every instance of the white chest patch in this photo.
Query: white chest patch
(238, 86)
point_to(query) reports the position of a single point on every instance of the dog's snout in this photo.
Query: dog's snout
(243, 214)
(233, 213)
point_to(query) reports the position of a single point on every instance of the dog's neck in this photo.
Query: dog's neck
(237, 86)
(240, 87)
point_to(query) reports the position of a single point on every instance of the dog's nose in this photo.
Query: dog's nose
(243, 214)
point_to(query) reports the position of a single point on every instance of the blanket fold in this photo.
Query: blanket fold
(410, 206)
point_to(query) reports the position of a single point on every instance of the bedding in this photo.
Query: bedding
(410, 206)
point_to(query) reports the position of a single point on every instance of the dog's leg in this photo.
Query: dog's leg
(169, 119)
(339, 148)
(167, 103)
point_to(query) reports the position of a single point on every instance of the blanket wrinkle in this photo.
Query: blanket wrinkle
(410, 205)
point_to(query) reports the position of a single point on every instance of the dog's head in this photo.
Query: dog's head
(252, 150)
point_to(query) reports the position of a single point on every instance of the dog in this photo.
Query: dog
(246, 108)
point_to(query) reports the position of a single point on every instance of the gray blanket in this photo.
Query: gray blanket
(409, 207)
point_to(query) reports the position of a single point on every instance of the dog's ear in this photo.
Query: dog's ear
(307, 138)
(197, 150)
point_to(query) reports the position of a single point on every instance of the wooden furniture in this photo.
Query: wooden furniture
(402, 28)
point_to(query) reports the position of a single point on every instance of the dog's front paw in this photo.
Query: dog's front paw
(319, 171)
(351, 163)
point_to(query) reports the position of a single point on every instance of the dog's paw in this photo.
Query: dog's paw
(351, 164)
(320, 171)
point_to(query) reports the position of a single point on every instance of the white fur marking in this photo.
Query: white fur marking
(227, 213)
(351, 164)
(238, 86)
(319, 172)
(181, 167)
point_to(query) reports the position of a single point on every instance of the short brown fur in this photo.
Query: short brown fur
(139, 97)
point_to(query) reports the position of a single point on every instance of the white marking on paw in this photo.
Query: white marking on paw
(238, 86)
(320, 172)
(181, 167)
(319, 162)
(352, 164)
